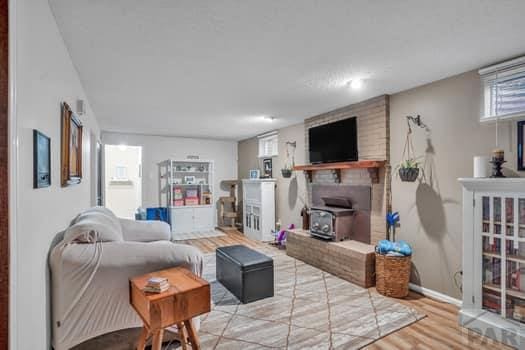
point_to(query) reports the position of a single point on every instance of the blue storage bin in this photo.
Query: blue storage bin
(159, 213)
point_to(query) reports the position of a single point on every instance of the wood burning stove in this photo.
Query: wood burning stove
(333, 220)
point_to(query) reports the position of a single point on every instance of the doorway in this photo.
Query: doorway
(123, 179)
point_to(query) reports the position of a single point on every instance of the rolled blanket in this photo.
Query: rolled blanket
(384, 247)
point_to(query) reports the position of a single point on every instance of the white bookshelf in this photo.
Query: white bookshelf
(494, 258)
(186, 188)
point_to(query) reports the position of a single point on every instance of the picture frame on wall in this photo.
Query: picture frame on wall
(267, 168)
(71, 147)
(41, 160)
(521, 139)
(255, 174)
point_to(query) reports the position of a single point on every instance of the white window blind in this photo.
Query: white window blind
(504, 89)
(268, 145)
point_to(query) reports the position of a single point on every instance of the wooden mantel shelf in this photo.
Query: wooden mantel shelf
(372, 166)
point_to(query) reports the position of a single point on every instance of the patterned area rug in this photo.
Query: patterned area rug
(197, 235)
(311, 309)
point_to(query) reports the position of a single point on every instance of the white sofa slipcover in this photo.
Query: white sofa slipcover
(90, 281)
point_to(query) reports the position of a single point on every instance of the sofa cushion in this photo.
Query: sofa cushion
(145, 231)
(97, 223)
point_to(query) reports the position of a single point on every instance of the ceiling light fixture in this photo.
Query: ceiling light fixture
(268, 119)
(356, 83)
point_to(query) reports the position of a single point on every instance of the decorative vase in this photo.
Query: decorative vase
(287, 173)
(408, 174)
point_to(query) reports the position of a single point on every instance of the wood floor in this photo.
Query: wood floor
(439, 330)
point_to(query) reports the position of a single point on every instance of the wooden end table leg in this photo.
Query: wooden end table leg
(144, 335)
(183, 337)
(157, 339)
(194, 338)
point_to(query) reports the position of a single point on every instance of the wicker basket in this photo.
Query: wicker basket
(392, 275)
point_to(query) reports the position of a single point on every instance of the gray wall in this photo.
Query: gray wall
(430, 209)
(290, 193)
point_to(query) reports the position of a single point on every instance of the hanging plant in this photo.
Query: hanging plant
(408, 169)
(287, 169)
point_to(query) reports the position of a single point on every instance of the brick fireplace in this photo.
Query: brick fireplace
(373, 130)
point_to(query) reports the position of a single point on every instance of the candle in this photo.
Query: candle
(498, 154)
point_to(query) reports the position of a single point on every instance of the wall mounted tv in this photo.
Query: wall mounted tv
(334, 142)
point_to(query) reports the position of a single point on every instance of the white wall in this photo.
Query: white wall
(158, 148)
(45, 76)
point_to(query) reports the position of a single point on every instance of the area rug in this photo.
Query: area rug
(311, 309)
(197, 235)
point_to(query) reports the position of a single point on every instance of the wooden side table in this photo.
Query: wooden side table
(187, 297)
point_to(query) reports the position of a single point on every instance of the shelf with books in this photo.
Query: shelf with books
(491, 255)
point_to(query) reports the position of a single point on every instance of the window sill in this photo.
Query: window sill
(501, 118)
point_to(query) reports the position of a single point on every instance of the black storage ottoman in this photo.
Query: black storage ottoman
(247, 274)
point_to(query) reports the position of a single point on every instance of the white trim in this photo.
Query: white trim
(507, 184)
(435, 295)
(13, 181)
(502, 66)
(267, 134)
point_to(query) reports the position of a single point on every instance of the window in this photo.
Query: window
(268, 144)
(504, 90)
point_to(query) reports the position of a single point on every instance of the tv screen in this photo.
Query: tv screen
(334, 142)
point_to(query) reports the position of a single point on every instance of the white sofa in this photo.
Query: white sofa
(91, 267)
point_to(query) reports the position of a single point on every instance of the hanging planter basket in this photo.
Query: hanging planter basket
(408, 170)
(408, 174)
(290, 159)
(287, 173)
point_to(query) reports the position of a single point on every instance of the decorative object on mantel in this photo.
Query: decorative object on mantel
(289, 164)
(521, 138)
(408, 169)
(393, 262)
(71, 147)
(498, 158)
(41, 160)
(481, 166)
(254, 174)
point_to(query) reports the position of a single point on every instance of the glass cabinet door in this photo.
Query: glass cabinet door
(503, 255)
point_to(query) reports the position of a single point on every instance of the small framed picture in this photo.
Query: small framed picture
(41, 160)
(255, 174)
(521, 139)
(189, 180)
(267, 168)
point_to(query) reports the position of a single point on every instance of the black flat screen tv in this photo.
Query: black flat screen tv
(334, 142)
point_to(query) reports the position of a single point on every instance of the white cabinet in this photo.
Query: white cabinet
(259, 208)
(494, 258)
(187, 220)
(182, 220)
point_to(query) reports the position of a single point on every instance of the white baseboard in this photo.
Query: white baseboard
(434, 295)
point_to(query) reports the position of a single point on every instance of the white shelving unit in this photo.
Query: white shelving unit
(494, 258)
(186, 188)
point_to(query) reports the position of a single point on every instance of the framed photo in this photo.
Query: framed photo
(267, 168)
(71, 147)
(255, 174)
(521, 139)
(189, 180)
(41, 160)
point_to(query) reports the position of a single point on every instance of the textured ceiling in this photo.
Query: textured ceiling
(214, 68)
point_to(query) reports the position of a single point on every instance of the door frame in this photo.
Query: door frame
(6, 162)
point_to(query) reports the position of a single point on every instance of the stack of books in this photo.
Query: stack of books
(157, 285)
